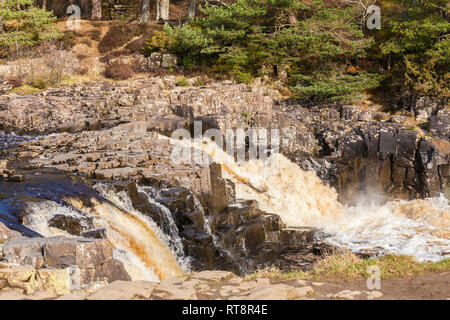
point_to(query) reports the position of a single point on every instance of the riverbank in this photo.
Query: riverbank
(219, 285)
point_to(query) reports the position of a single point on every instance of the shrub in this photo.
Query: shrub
(118, 71)
(94, 34)
(24, 24)
(39, 83)
(182, 82)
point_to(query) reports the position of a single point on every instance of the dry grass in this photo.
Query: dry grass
(347, 266)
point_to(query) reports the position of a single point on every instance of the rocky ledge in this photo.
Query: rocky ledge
(356, 149)
(206, 285)
(55, 264)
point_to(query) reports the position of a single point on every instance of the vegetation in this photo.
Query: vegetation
(118, 71)
(347, 266)
(416, 47)
(22, 24)
(322, 50)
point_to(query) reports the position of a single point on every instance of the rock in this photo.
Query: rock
(54, 280)
(98, 233)
(168, 61)
(73, 225)
(74, 296)
(89, 260)
(7, 234)
(213, 275)
(80, 252)
(371, 295)
(278, 292)
(19, 277)
(124, 290)
(112, 270)
(345, 294)
(440, 124)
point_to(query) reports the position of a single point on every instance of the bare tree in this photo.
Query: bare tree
(96, 10)
(191, 10)
(144, 12)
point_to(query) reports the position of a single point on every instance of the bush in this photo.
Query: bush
(24, 24)
(182, 82)
(118, 71)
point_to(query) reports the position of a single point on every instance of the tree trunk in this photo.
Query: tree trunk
(145, 12)
(44, 4)
(163, 12)
(191, 10)
(96, 9)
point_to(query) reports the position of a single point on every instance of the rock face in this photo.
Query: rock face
(348, 146)
(58, 264)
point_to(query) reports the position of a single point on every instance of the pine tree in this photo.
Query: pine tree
(24, 24)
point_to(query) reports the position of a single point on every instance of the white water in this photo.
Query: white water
(137, 240)
(419, 228)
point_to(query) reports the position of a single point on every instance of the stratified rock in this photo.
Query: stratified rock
(86, 260)
(86, 254)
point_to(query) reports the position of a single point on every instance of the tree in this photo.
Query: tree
(319, 47)
(190, 15)
(144, 11)
(25, 24)
(96, 9)
(162, 10)
(416, 47)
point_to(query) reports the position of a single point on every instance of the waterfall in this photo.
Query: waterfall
(419, 228)
(137, 240)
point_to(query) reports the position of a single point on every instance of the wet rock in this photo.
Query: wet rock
(73, 225)
(98, 233)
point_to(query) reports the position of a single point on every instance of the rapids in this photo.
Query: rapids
(419, 228)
